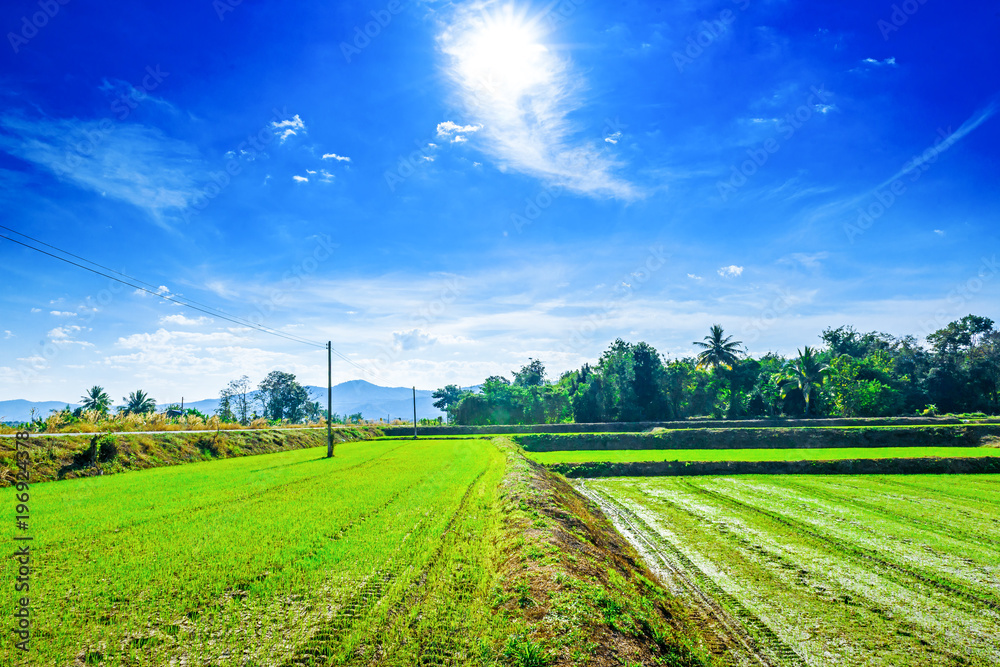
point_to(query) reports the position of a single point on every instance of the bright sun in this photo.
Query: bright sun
(504, 55)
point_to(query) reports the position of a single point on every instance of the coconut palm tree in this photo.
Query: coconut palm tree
(719, 349)
(139, 402)
(806, 373)
(96, 399)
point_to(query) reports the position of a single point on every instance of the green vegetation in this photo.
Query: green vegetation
(395, 552)
(68, 457)
(881, 571)
(768, 438)
(627, 455)
(853, 375)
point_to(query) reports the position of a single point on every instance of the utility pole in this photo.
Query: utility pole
(414, 413)
(329, 399)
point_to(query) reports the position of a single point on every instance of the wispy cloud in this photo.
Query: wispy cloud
(334, 156)
(126, 161)
(300, 179)
(891, 62)
(523, 94)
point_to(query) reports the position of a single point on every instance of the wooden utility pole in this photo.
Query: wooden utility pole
(414, 413)
(329, 399)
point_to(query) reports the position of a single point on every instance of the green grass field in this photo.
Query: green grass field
(633, 455)
(384, 553)
(879, 571)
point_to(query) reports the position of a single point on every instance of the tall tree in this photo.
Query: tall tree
(96, 399)
(236, 400)
(448, 398)
(805, 373)
(718, 349)
(282, 397)
(531, 374)
(139, 402)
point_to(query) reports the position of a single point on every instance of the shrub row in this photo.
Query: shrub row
(764, 438)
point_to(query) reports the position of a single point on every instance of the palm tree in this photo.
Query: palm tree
(806, 374)
(719, 349)
(139, 402)
(96, 399)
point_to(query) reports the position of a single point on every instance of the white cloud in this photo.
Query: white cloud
(694, 277)
(448, 128)
(184, 321)
(731, 271)
(939, 232)
(326, 177)
(415, 339)
(613, 138)
(310, 171)
(7, 334)
(288, 128)
(62, 313)
(523, 95)
(334, 156)
(300, 179)
(36, 310)
(428, 158)
(458, 139)
(64, 336)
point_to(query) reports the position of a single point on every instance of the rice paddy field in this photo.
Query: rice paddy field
(381, 555)
(880, 571)
(832, 454)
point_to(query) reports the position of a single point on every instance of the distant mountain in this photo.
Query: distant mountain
(372, 401)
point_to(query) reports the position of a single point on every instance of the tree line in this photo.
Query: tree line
(279, 397)
(850, 374)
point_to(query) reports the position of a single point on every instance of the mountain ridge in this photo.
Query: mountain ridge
(350, 397)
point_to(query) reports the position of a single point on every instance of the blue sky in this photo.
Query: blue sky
(469, 185)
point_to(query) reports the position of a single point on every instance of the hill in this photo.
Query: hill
(372, 401)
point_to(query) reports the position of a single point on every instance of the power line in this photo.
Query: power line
(167, 296)
(108, 268)
(182, 301)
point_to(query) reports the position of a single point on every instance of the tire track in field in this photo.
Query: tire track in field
(732, 625)
(352, 606)
(921, 522)
(329, 637)
(842, 546)
(190, 511)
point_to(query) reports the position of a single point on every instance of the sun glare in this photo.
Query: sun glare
(504, 55)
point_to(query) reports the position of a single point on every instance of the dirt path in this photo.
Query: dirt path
(735, 634)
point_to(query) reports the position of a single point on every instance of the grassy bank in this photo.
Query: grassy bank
(67, 457)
